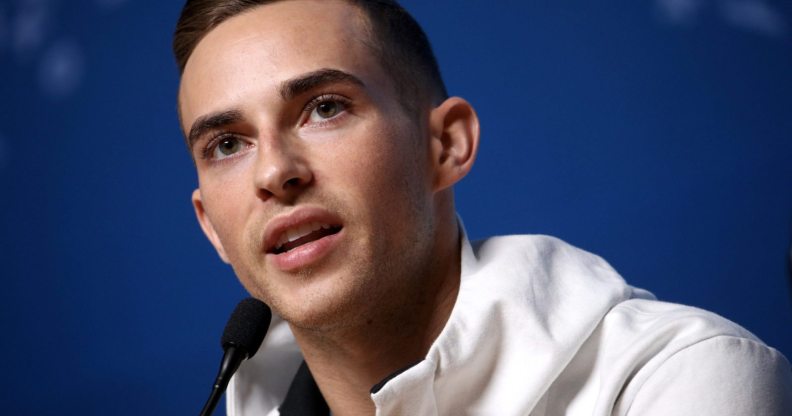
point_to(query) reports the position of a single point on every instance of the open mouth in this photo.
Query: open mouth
(304, 234)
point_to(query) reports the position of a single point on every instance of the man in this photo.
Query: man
(327, 150)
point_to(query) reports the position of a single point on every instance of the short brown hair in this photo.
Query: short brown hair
(396, 38)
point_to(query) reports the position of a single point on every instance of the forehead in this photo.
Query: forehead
(250, 54)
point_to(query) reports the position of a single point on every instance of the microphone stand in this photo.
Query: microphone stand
(232, 357)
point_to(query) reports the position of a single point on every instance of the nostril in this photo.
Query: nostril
(293, 182)
(264, 193)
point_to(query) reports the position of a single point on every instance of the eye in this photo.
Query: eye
(224, 147)
(325, 108)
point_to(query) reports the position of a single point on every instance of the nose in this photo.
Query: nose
(281, 172)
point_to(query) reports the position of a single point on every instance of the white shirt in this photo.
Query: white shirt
(542, 328)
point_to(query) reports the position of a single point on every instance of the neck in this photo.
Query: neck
(348, 362)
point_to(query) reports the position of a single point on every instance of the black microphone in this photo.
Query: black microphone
(242, 337)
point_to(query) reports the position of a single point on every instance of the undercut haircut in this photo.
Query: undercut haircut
(397, 40)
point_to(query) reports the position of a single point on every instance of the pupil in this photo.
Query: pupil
(227, 146)
(327, 109)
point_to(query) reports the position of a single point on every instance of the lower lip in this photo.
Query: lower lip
(306, 254)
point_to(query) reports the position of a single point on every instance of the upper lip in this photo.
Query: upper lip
(300, 216)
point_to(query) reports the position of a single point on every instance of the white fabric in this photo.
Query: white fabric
(543, 328)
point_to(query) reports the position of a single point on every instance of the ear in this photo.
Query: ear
(454, 128)
(206, 224)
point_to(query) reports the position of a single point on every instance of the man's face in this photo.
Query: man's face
(297, 134)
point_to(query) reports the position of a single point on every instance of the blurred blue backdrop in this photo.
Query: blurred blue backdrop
(656, 133)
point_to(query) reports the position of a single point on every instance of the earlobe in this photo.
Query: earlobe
(206, 224)
(454, 129)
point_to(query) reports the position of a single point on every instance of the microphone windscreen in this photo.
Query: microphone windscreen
(247, 326)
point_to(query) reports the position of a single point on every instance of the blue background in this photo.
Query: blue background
(656, 133)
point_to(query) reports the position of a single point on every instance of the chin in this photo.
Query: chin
(321, 305)
(320, 317)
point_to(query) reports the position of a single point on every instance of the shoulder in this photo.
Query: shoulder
(534, 246)
(628, 353)
(681, 360)
(539, 255)
(724, 374)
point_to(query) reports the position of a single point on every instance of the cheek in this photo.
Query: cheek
(382, 157)
(385, 172)
(226, 208)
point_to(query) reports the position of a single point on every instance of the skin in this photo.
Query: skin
(373, 301)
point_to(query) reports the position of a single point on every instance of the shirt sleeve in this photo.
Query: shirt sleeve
(723, 375)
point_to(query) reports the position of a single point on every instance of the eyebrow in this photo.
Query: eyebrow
(212, 121)
(306, 82)
(288, 90)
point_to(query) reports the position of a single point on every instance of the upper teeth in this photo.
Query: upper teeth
(298, 232)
